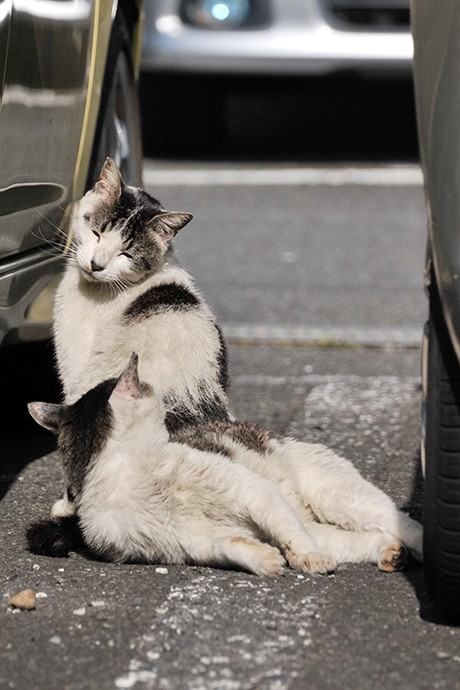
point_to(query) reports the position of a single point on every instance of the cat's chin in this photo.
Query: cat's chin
(107, 280)
(95, 279)
(92, 278)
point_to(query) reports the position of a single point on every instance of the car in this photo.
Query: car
(68, 99)
(307, 37)
(437, 91)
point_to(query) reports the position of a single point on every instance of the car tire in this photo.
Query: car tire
(118, 131)
(442, 464)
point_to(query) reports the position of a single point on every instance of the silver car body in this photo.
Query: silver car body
(52, 64)
(437, 90)
(308, 37)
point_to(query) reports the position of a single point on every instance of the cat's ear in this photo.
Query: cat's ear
(110, 182)
(48, 415)
(128, 384)
(168, 223)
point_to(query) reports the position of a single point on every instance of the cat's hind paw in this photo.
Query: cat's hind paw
(312, 563)
(393, 557)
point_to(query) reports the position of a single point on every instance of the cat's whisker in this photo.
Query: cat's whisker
(54, 247)
(59, 230)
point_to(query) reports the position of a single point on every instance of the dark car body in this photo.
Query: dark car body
(436, 31)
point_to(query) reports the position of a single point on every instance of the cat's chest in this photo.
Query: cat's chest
(85, 331)
(86, 323)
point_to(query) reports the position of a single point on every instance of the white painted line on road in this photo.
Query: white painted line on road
(384, 176)
(329, 381)
(327, 335)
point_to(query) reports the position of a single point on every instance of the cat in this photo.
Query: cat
(246, 498)
(122, 289)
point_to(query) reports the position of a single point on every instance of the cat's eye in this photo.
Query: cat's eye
(127, 254)
(97, 234)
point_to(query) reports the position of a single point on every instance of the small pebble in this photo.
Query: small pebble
(79, 612)
(25, 600)
(161, 571)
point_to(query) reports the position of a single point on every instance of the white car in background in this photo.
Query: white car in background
(308, 37)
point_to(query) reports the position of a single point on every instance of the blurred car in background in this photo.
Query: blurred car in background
(437, 89)
(207, 63)
(68, 99)
(308, 37)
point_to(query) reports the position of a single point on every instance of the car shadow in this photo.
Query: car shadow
(329, 119)
(27, 373)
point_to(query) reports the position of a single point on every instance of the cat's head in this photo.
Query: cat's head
(122, 408)
(121, 233)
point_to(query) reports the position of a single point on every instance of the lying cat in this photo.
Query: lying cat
(122, 290)
(247, 499)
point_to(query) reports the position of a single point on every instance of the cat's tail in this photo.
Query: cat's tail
(55, 537)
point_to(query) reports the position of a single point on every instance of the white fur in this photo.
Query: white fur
(146, 497)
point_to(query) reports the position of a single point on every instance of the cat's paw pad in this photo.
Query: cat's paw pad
(393, 557)
(313, 563)
(270, 561)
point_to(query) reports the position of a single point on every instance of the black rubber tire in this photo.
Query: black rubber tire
(442, 466)
(118, 132)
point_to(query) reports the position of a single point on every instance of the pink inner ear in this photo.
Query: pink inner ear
(102, 187)
(128, 385)
(109, 182)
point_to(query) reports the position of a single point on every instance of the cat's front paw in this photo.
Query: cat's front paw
(270, 561)
(393, 557)
(312, 563)
(63, 508)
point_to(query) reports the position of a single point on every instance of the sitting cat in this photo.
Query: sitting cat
(121, 286)
(122, 290)
(247, 499)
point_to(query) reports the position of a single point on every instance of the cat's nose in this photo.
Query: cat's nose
(95, 266)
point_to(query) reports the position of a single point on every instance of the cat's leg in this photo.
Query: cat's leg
(274, 516)
(360, 547)
(232, 548)
(338, 494)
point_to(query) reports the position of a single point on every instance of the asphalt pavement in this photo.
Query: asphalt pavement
(103, 626)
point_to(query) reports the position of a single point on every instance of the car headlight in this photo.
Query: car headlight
(216, 14)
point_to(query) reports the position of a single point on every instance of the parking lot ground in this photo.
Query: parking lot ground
(101, 625)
